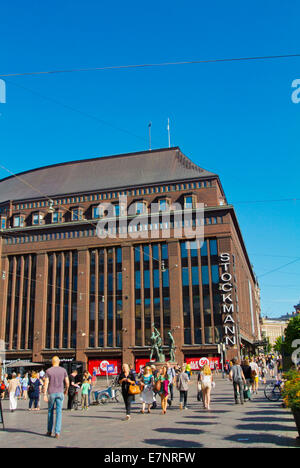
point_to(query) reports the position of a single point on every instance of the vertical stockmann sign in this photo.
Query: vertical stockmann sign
(227, 303)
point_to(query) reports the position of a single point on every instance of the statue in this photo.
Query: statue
(156, 346)
(171, 347)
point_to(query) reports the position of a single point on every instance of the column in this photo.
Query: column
(177, 324)
(40, 306)
(128, 332)
(83, 299)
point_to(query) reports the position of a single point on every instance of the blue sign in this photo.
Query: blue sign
(110, 369)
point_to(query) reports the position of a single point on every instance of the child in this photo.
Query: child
(84, 395)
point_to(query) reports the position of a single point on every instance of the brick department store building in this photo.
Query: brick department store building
(66, 291)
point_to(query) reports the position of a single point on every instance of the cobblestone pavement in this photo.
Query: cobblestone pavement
(258, 423)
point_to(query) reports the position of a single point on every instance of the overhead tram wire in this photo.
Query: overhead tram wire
(151, 65)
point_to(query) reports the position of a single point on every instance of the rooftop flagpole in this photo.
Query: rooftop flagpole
(169, 137)
(149, 126)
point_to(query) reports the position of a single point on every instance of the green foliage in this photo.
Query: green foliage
(292, 333)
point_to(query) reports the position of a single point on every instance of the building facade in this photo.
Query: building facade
(88, 284)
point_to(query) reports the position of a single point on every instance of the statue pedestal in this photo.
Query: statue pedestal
(159, 365)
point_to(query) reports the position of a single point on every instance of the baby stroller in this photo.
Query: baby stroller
(76, 400)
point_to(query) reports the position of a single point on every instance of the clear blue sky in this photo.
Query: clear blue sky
(234, 119)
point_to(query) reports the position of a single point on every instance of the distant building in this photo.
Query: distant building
(273, 328)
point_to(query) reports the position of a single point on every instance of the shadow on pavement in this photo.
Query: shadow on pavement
(266, 426)
(179, 431)
(263, 438)
(172, 443)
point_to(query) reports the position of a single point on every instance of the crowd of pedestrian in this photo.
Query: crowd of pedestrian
(154, 385)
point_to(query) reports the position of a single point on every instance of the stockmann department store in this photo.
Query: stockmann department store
(74, 286)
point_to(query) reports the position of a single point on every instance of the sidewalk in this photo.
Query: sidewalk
(258, 423)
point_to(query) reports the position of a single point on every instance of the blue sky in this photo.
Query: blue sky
(235, 119)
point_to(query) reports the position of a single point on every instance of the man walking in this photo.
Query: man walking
(236, 375)
(172, 379)
(56, 379)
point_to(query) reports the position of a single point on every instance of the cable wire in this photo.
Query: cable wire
(149, 65)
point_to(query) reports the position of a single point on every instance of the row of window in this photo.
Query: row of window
(114, 231)
(97, 212)
(112, 195)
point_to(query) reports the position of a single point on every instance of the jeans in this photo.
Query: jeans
(55, 399)
(238, 386)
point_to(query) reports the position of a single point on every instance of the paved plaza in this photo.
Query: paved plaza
(259, 423)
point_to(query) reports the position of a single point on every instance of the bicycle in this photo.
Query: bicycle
(104, 396)
(273, 391)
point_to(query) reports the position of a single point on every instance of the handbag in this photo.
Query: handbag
(134, 389)
(157, 386)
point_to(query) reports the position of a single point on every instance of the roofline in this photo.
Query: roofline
(78, 161)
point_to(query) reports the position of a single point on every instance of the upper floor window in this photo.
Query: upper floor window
(19, 220)
(164, 204)
(37, 218)
(3, 222)
(140, 208)
(189, 201)
(77, 214)
(57, 217)
(97, 212)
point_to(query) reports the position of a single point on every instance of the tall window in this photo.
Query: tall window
(20, 302)
(152, 293)
(106, 306)
(201, 298)
(61, 317)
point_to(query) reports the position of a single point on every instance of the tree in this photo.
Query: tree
(279, 345)
(292, 332)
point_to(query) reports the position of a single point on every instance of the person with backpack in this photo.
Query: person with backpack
(236, 375)
(182, 384)
(34, 387)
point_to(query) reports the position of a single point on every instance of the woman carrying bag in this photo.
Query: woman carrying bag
(126, 380)
(162, 387)
(147, 396)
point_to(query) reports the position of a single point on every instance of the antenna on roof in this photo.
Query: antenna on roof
(149, 126)
(169, 136)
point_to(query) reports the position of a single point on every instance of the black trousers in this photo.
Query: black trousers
(71, 398)
(128, 399)
(183, 397)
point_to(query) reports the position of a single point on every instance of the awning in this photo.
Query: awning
(23, 364)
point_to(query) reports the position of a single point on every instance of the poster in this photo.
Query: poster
(98, 367)
(197, 363)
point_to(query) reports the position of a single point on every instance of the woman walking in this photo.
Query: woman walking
(147, 396)
(126, 378)
(14, 388)
(24, 383)
(182, 383)
(34, 387)
(206, 384)
(162, 387)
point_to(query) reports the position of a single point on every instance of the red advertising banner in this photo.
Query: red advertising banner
(98, 366)
(141, 362)
(197, 363)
